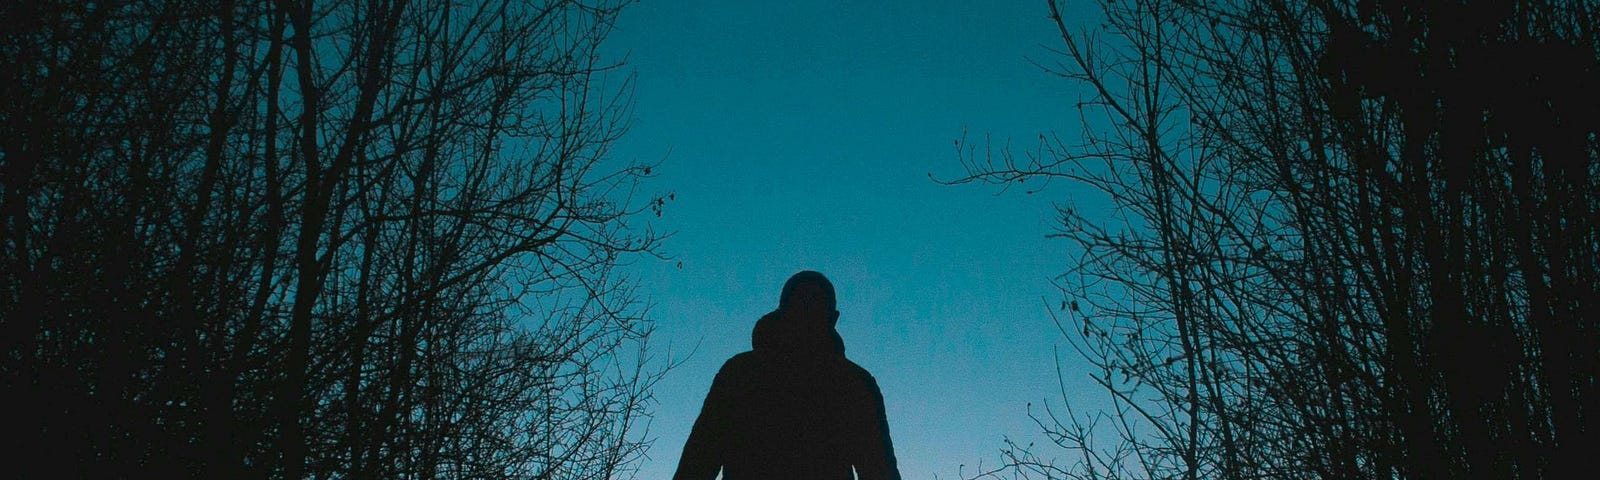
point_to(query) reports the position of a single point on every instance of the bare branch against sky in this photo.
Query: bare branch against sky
(335, 239)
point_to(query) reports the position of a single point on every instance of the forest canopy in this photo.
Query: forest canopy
(1352, 239)
(333, 239)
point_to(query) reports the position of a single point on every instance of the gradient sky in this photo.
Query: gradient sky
(801, 135)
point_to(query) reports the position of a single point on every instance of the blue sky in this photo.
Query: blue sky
(800, 136)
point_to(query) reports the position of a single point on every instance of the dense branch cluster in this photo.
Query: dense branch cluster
(1351, 240)
(344, 238)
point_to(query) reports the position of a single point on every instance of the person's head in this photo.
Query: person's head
(808, 296)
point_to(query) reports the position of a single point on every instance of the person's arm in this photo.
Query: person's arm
(876, 460)
(703, 453)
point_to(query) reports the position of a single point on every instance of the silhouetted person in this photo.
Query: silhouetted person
(792, 406)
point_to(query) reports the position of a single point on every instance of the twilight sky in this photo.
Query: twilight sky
(800, 135)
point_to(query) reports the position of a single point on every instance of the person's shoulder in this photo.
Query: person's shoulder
(739, 362)
(858, 373)
(737, 373)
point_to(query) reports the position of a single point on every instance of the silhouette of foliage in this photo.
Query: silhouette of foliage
(1351, 239)
(352, 239)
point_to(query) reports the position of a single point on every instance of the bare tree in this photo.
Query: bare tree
(1351, 240)
(348, 238)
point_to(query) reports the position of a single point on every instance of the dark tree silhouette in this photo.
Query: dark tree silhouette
(371, 239)
(1352, 239)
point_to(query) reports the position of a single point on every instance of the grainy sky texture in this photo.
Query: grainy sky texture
(801, 135)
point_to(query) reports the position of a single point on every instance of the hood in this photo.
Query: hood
(773, 334)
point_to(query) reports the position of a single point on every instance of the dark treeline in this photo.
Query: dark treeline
(1360, 240)
(331, 239)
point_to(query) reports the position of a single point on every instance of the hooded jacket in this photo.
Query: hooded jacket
(793, 407)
